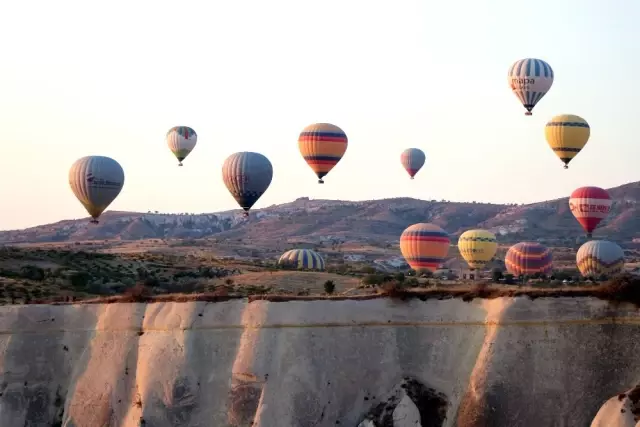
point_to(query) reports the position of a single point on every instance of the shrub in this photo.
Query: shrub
(329, 286)
(399, 277)
(229, 282)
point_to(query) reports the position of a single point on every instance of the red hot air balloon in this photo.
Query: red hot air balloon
(590, 205)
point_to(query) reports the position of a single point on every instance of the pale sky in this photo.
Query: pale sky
(110, 78)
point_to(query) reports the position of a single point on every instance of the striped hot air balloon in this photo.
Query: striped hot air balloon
(96, 181)
(302, 259)
(590, 205)
(424, 246)
(567, 134)
(322, 145)
(181, 141)
(412, 160)
(530, 79)
(528, 258)
(247, 176)
(477, 247)
(600, 257)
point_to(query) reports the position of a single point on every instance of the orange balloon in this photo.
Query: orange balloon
(424, 246)
(322, 145)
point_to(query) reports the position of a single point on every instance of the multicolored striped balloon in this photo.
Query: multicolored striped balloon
(302, 259)
(412, 160)
(247, 176)
(477, 247)
(528, 258)
(322, 145)
(598, 257)
(567, 134)
(530, 79)
(424, 246)
(590, 205)
(181, 141)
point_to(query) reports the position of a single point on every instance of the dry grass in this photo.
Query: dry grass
(625, 289)
(295, 281)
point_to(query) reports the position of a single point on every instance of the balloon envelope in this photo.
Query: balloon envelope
(181, 141)
(567, 134)
(412, 160)
(302, 259)
(598, 257)
(424, 246)
(247, 176)
(477, 247)
(96, 181)
(590, 205)
(528, 258)
(322, 145)
(530, 79)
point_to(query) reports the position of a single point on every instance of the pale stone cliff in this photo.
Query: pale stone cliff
(502, 362)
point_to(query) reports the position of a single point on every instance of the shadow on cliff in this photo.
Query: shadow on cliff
(554, 373)
(39, 366)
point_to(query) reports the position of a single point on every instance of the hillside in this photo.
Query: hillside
(375, 221)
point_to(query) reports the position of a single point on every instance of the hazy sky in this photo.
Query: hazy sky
(110, 78)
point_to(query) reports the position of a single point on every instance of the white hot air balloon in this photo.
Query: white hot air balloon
(96, 181)
(181, 141)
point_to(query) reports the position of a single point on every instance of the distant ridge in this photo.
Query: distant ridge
(379, 220)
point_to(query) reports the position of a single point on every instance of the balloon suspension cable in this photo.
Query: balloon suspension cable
(528, 113)
(320, 181)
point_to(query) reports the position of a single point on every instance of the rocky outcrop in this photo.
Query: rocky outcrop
(501, 362)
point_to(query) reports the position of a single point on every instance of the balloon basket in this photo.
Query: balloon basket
(320, 181)
(566, 166)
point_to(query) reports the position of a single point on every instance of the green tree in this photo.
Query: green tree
(329, 286)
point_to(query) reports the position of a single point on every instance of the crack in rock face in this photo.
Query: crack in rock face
(410, 403)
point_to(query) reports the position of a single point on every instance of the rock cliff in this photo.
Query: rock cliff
(500, 362)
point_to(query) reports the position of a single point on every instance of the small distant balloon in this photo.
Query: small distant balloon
(567, 134)
(477, 247)
(600, 257)
(590, 205)
(247, 176)
(412, 160)
(530, 79)
(181, 141)
(322, 145)
(96, 181)
(302, 259)
(528, 258)
(424, 246)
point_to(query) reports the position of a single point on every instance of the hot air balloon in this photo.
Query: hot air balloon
(302, 259)
(567, 134)
(530, 79)
(477, 247)
(600, 257)
(424, 246)
(181, 141)
(590, 205)
(247, 176)
(322, 145)
(96, 181)
(528, 258)
(412, 160)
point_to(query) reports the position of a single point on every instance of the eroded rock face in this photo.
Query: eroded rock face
(620, 411)
(410, 403)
